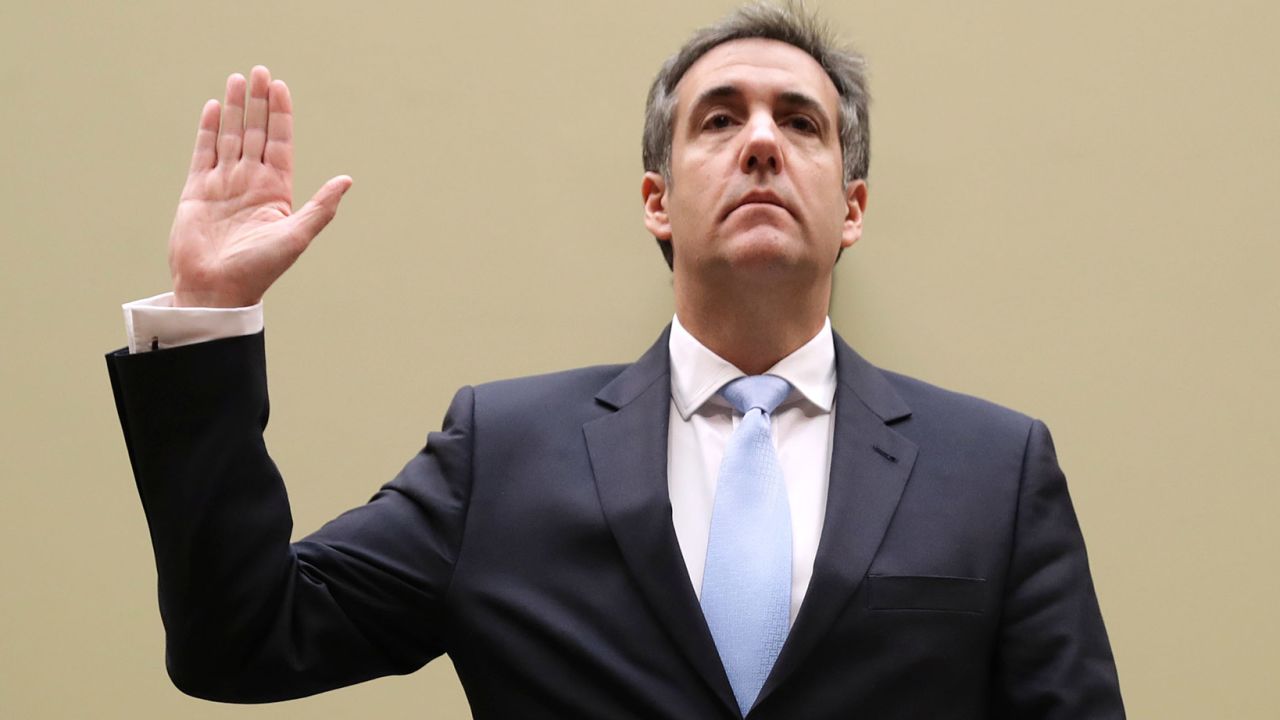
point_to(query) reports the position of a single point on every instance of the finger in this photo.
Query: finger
(255, 118)
(231, 134)
(279, 151)
(320, 209)
(205, 154)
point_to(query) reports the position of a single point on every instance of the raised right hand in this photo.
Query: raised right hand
(235, 231)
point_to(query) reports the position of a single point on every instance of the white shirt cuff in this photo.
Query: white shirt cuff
(155, 324)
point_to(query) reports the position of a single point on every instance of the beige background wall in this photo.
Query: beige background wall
(1071, 213)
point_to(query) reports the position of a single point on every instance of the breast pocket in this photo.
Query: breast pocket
(926, 593)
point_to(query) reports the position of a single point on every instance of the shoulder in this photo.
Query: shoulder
(957, 420)
(556, 392)
(536, 411)
(921, 410)
(931, 399)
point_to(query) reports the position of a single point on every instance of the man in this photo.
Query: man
(750, 520)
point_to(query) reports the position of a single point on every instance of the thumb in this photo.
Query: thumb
(312, 217)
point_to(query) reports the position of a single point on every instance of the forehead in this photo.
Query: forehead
(757, 67)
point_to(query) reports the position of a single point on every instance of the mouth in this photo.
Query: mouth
(757, 197)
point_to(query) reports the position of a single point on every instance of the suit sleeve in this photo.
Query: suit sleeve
(1053, 660)
(248, 616)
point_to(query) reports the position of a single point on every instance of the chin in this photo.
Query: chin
(766, 248)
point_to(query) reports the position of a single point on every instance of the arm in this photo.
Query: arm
(249, 617)
(1052, 659)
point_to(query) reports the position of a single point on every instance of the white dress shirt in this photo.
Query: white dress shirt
(700, 423)
(700, 426)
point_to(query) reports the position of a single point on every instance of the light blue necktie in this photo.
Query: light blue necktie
(746, 584)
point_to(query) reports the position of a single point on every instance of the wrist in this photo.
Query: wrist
(186, 297)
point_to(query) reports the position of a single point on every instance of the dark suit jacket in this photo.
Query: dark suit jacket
(531, 540)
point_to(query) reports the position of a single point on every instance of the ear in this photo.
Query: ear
(855, 194)
(654, 190)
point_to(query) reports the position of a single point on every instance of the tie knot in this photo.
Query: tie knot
(756, 391)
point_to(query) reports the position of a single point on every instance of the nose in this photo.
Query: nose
(761, 152)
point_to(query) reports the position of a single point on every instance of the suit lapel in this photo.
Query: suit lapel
(628, 450)
(870, 464)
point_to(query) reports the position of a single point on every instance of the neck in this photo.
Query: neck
(752, 326)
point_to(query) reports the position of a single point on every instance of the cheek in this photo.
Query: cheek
(691, 201)
(830, 214)
(827, 206)
(698, 174)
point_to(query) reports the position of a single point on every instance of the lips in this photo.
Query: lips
(758, 197)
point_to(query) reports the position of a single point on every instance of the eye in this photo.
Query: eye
(802, 123)
(718, 121)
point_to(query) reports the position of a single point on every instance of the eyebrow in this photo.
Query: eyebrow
(788, 98)
(803, 102)
(719, 92)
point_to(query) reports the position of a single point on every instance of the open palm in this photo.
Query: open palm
(235, 231)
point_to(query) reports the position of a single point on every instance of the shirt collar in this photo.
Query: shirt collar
(697, 373)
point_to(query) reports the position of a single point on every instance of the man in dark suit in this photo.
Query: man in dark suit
(750, 520)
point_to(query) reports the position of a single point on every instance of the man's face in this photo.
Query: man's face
(756, 185)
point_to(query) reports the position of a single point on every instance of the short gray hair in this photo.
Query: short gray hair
(790, 24)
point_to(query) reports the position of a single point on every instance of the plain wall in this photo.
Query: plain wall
(1070, 213)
